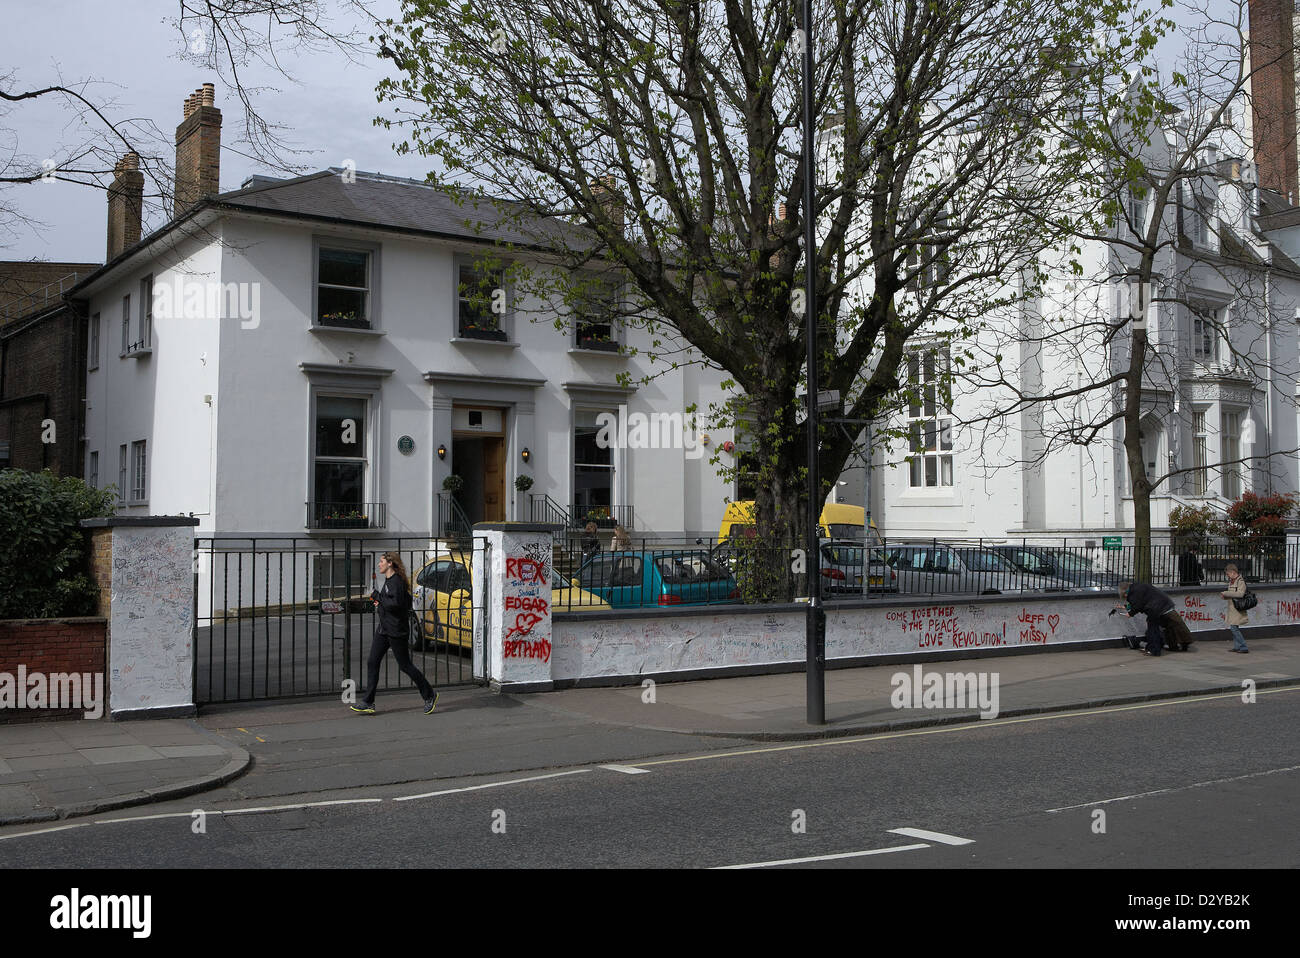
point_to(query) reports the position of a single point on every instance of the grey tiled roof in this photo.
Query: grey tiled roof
(401, 204)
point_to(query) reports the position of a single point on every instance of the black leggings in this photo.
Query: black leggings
(378, 648)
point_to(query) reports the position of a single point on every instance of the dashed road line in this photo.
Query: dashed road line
(939, 837)
(824, 858)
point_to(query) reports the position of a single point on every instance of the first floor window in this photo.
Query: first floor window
(126, 324)
(480, 302)
(1230, 449)
(341, 459)
(93, 362)
(343, 288)
(594, 312)
(121, 474)
(138, 488)
(146, 312)
(94, 470)
(929, 428)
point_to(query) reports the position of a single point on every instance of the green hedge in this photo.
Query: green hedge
(44, 553)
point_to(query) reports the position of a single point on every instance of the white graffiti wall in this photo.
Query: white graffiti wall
(152, 618)
(673, 642)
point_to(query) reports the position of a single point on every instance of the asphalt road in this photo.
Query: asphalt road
(1182, 784)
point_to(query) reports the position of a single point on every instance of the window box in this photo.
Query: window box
(602, 343)
(483, 332)
(345, 522)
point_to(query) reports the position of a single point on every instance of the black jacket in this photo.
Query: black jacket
(394, 607)
(1147, 598)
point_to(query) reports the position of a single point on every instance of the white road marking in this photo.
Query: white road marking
(45, 831)
(824, 858)
(627, 769)
(475, 788)
(949, 729)
(1176, 788)
(939, 837)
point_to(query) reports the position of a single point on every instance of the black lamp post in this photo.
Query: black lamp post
(816, 622)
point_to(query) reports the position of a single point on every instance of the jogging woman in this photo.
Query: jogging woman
(394, 601)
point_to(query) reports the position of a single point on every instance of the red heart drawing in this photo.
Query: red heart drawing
(1053, 621)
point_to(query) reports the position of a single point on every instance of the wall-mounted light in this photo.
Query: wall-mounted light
(442, 451)
(526, 454)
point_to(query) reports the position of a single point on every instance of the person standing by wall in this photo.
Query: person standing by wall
(393, 599)
(1234, 616)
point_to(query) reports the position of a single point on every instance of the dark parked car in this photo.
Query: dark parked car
(1056, 563)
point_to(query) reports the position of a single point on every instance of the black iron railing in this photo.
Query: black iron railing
(452, 521)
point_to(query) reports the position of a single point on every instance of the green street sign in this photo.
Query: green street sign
(1112, 543)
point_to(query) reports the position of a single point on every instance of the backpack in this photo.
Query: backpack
(1246, 602)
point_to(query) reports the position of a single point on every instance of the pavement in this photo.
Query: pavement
(64, 769)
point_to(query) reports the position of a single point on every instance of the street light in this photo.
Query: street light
(815, 629)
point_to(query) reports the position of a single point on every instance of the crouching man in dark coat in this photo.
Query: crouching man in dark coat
(1141, 597)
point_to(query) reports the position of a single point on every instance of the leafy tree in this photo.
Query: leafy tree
(657, 143)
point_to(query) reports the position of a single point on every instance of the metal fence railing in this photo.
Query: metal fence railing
(293, 616)
(667, 570)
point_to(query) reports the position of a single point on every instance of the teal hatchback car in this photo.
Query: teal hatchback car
(632, 580)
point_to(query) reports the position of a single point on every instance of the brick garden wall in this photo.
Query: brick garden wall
(50, 646)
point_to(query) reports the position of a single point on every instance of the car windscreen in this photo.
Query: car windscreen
(984, 561)
(689, 567)
(1071, 562)
(840, 554)
(1030, 562)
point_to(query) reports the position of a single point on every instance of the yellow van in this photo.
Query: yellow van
(838, 521)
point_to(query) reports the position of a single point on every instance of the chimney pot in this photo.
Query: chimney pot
(198, 149)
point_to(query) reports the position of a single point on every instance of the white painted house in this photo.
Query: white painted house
(295, 357)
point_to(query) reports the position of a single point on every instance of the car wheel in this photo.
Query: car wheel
(415, 633)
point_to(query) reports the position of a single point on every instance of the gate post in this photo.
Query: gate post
(148, 565)
(512, 605)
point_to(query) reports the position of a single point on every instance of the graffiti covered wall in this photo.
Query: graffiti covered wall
(593, 647)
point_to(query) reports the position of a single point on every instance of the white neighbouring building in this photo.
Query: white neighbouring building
(1222, 385)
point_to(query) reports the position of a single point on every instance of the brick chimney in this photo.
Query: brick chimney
(198, 150)
(1273, 96)
(607, 197)
(125, 205)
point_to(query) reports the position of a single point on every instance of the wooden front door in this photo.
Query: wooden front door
(494, 479)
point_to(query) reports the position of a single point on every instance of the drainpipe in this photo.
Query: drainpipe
(1268, 398)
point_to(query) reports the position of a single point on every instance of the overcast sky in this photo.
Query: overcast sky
(133, 50)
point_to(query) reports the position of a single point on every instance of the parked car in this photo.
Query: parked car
(649, 578)
(935, 568)
(842, 572)
(838, 520)
(1054, 563)
(441, 599)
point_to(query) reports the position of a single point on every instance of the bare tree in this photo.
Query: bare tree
(1175, 309)
(236, 40)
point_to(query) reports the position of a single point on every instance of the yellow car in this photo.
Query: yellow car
(442, 597)
(838, 520)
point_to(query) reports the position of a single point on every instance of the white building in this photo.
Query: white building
(1221, 387)
(295, 357)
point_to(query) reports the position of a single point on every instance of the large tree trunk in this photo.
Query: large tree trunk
(1137, 470)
